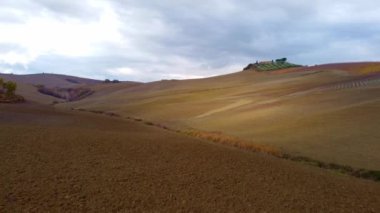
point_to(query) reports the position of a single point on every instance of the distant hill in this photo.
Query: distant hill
(49, 80)
(52, 88)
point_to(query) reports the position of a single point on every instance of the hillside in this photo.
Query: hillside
(325, 112)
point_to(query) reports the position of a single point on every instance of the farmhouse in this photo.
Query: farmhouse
(265, 62)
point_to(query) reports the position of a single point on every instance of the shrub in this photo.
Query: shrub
(1, 85)
(281, 60)
(10, 88)
(113, 81)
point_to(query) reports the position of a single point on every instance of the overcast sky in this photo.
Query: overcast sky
(174, 39)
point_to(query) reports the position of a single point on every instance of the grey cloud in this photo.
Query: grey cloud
(20, 10)
(206, 37)
(78, 9)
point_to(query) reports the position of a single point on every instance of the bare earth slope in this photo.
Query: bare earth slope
(327, 112)
(62, 161)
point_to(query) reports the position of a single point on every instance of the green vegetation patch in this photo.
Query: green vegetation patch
(277, 64)
(360, 173)
(7, 92)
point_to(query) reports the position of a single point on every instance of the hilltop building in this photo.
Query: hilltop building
(277, 64)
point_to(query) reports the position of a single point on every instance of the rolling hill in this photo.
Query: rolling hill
(325, 112)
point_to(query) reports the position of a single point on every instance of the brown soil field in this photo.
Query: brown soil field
(65, 161)
(330, 113)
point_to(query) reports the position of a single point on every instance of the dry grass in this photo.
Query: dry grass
(220, 138)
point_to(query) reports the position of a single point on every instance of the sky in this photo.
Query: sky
(145, 41)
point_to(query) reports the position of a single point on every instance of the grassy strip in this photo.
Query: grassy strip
(360, 173)
(218, 137)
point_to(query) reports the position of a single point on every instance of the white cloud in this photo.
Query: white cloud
(124, 71)
(181, 76)
(46, 34)
(13, 58)
(6, 71)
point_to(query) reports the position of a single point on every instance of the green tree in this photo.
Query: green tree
(2, 86)
(10, 87)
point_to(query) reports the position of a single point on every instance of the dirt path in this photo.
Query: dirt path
(225, 108)
(55, 161)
